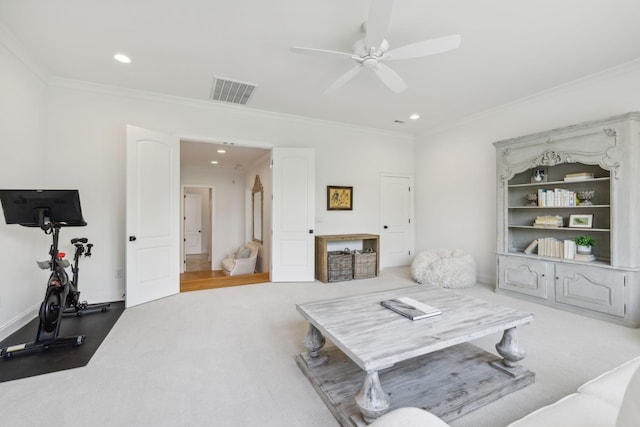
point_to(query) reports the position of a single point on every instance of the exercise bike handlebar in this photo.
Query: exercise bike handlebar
(79, 240)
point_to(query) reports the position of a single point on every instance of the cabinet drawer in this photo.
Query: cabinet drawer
(593, 288)
(523, 275)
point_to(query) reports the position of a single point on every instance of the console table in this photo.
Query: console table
(369, 241)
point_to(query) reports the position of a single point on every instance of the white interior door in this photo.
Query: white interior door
(293, 209)
(192, 224)
(396, 242)
(153, 216)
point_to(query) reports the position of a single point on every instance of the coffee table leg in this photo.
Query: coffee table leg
(509, 348)
(313, 341)
(371, 399)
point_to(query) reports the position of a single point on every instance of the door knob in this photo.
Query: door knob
(132, 238)
(385, 227)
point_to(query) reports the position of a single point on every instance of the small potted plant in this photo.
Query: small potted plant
(585, 244)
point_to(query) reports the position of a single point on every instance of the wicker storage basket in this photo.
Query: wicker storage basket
(364, 264)
(340, 265)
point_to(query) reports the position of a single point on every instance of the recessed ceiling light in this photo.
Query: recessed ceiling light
(414, 116)
(222, 151)
(214, 162)
(121, 57)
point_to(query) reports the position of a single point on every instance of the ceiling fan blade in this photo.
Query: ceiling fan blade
(378, 22)
(424, 48)
(313, 51)
(343, 79)
(390, 78)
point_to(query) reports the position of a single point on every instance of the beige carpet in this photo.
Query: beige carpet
(224, 357)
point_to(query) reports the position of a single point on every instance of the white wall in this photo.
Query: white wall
(82, 127)
(22, 141)
(88, 124)
(455, 168)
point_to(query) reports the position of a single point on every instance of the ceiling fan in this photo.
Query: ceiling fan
(372, 50)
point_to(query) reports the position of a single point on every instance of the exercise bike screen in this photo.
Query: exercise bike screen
(60, 206)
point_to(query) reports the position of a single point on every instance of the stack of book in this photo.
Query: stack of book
(557, 197)
(580, 176)
(548, 221)
(554, 248)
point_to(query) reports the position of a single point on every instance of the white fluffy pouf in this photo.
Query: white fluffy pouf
(448, 268)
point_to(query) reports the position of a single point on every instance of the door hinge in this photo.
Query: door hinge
(409, 252)
(409, 220)
(409, 189)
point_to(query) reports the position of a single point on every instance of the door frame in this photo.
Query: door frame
(183, 254)
(214, 140)
(197, 217)
(412, 224)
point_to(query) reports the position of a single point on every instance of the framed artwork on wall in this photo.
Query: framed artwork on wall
(339, 198)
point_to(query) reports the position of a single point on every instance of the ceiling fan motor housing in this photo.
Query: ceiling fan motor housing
(360, 49)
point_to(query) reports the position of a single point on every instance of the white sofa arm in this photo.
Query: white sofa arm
(408, 417)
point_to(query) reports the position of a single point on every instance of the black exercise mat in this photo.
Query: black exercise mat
(95, 326)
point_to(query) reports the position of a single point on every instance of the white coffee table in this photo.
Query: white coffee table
(376, 339)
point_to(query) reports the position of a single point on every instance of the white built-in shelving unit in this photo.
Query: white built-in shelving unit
(608, 150)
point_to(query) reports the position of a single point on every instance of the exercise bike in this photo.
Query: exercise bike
(50, 210)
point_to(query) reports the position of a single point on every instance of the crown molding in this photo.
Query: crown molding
(118, 91)
(621, 69)
(11, 43)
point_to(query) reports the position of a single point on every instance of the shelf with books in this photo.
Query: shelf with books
(578, 230)
(560, 183)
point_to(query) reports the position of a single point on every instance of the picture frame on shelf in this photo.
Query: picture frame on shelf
(339, 198)
(539, 175)
(581, 221)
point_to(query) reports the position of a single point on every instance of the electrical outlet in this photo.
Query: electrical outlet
(118, 274)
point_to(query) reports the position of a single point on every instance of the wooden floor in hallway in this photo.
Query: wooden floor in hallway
(211, 279)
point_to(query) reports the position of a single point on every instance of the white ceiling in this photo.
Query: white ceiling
(510, 49)
(235, 158)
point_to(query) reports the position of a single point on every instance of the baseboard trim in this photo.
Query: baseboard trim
(18, 322)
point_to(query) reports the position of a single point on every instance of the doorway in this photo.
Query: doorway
(222, 174)
(197, 225)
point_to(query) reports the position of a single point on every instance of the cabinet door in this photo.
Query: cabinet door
(593, 288)
(524, 275)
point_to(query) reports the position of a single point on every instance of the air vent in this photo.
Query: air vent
(231, 91)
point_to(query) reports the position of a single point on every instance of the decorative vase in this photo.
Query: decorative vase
(585, 197)
(586, 250)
